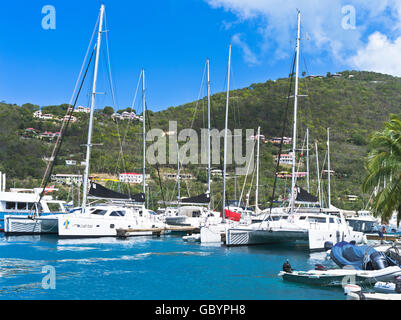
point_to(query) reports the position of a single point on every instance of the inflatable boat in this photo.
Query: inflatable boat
(354, 292)
(340, 277)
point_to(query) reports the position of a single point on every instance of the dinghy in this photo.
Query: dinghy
(354, 292)
(340, 277)
(360, 264)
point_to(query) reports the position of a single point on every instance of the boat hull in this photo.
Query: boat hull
(88, 227)
(24, 225)
(314, 239)
(340, 277)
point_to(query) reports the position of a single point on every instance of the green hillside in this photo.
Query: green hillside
(353, 105)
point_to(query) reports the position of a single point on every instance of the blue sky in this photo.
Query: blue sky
(171, 39)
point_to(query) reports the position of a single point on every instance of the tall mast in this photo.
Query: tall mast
(294, 138)
(318, 174)
(178, 176)
(307, 159)
(328, 167)
(225, 133)
(208, 131)
(144, 132)
(257, 175)
(90, 129)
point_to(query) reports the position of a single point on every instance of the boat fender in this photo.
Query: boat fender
(348, 288)
(378, 260)
(320, 267)
(328, 245)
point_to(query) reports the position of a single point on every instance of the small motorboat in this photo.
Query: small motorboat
(192, 237)
(354, 292)
(340, 277)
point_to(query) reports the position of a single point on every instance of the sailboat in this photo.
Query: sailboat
(96, 220)
(122, 211)
(361, 220)
(194, 211)
(214, 232)
(306, 225)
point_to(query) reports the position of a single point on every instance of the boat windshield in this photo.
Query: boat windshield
(99, 212)
(117, 214)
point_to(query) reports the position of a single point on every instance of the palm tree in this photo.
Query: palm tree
(384, 170)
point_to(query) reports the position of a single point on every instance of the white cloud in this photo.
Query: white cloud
(275, 22)
(380, 55)
(249, 57)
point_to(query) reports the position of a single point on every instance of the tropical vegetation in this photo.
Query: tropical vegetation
(383, 165)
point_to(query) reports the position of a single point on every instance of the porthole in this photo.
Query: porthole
(112, 226)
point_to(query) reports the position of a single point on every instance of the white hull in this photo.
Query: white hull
(25, 225)
(341, 277)
(285, 232)
(84, 226)
(373, 296)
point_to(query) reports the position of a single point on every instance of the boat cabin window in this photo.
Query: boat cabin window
(317, 219)
(31, 206)
(196, 214)
(54, 207)
(302, 218)
(99, 212)
(10, 205)
(331, 220)
(117, 214)
(21, 205)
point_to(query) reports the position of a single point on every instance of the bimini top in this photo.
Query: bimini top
(98, 191)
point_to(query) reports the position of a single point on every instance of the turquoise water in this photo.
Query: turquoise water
(146, 268)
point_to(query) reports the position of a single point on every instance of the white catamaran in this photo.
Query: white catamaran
(309, 225)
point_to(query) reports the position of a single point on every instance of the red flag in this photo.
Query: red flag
(234, 216)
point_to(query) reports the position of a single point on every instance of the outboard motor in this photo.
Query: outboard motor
(378, 260)
(328, 245)
(398, 285)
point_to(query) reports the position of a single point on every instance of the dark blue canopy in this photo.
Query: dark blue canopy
(346, 254)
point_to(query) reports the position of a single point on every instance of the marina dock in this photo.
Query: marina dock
(123, 233)
(386, 237)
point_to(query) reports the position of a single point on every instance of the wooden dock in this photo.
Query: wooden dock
(123, 233)
(386, 237)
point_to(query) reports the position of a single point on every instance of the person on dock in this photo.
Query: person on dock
(287, 267)
(382, 231)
